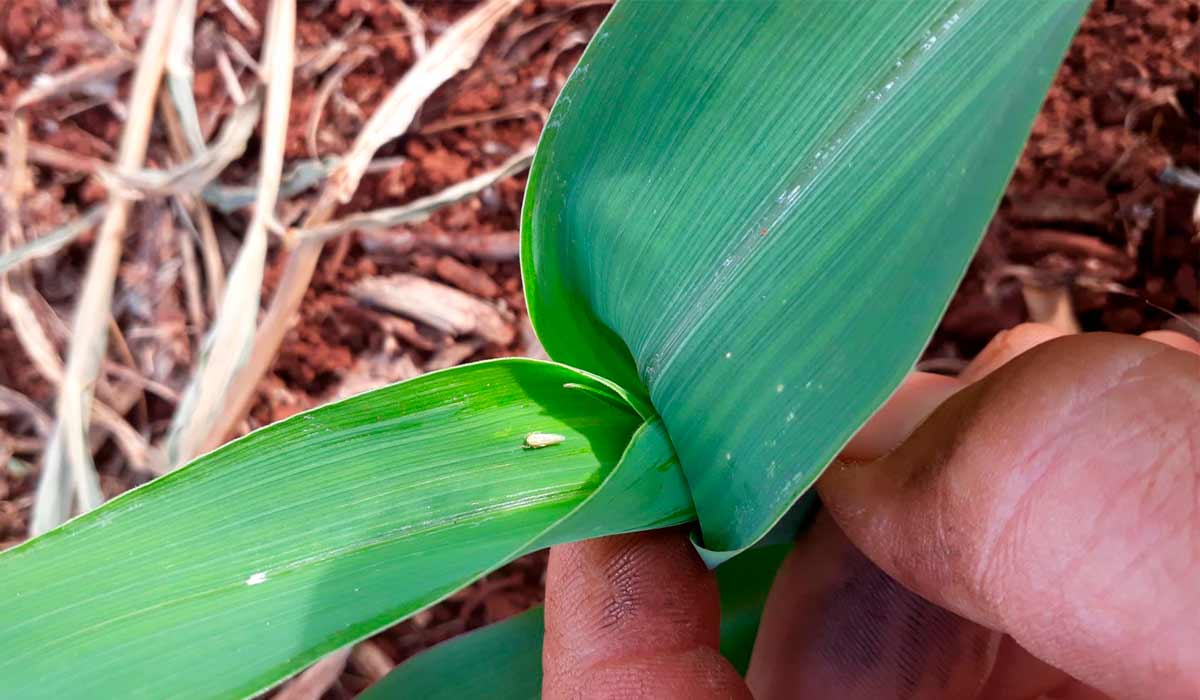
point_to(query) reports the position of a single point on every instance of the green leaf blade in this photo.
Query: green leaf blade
(744, 582)
(764, 237)
(224, 577)
(502, 661)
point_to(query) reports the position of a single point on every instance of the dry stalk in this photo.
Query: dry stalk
(504, 246)
(418, 209)
(189, 207)
(180, 75)
(51, 242)
(241, 14)
(203, 166)
(81, 76)
(343, 68)
(13, 402)
(59, 159)
(210, 251)
(68, 444)
(514, 112)
(193, 294)
(102, 18)
(229, 342)
(1050, 304)
(192, 286)
(239, 53)
(15, 301)
(371, 661)
(455, 50)
(315, 680)
(415, 25)
(229, 76)
(20, 313)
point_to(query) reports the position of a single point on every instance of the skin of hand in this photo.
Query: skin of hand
(1029, 529)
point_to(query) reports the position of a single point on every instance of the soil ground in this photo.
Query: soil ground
(1100, 210)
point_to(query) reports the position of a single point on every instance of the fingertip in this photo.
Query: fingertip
(1178, 341)
(916, 398)
(922, 392)
(1005, 346)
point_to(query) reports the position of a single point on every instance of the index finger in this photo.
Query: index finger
(1056, 500)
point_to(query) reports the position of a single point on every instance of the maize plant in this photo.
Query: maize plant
(742, 224)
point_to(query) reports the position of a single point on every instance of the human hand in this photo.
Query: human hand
(1045, 515)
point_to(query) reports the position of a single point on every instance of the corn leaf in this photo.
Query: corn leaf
(228, 575)
(755, 213)
(499, 662)
(744, 582)
(750, 239)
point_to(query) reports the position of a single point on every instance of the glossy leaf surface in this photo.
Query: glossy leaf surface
(763, 236)
(230, 574)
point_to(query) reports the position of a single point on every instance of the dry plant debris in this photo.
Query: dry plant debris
(436, 305)
(67, 462)
(455, 50)
(229, 342)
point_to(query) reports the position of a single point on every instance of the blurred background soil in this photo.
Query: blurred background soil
(1098, 227)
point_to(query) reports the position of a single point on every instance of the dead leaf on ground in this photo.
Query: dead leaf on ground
(437, 305)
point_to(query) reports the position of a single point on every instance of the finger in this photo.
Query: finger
(1178, 341)
(922, 392)
(634, 616)
(834, 620)
(1019, 675)
(1006, 345)
(916, 398)
(1055, 500)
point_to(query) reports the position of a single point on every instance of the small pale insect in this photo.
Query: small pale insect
(534, 441)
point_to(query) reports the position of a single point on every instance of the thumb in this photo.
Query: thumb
(1057, 500)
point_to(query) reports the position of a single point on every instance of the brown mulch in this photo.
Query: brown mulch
(1096, 208)
(1092, 206)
